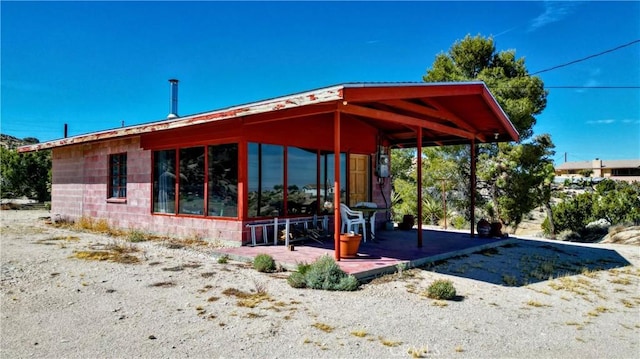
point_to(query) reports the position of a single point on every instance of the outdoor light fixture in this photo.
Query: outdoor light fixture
(495, 135)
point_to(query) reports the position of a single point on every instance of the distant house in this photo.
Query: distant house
(622, 170)
(217, 173)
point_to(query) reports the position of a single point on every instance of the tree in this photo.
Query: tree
(519, 178)
(27, 174)
(514, 186)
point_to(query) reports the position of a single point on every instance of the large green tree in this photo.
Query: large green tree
(27, 174)
(514, 174)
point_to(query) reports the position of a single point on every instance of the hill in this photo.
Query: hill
(11, 142)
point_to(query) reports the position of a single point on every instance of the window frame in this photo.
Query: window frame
(122, 165)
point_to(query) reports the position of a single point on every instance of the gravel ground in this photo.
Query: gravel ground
(564, 301)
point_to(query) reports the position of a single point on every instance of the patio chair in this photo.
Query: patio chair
(351, 219)
(371, 216)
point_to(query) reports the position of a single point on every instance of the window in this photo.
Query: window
(266, 180)
(191, 189)
(327, 178)
(302, 190)
(196, 181)
(164, 181)
(223, 180)
(268, 186)
(118, 175)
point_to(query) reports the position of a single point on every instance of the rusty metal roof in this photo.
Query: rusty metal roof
(449, 113)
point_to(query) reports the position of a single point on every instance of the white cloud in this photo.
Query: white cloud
(630, 121)
(602, 122)
(554, 11)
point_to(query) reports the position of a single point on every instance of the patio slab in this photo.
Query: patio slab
(377, 257)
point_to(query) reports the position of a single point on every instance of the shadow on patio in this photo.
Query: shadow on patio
(377, 257)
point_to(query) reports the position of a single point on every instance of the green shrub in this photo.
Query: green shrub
(135, 236)
(458, 222)
(224, 259)
(441, 289)
(297, 280)
(325, 274)
(348, 283)
(303, 268)
(264, 263)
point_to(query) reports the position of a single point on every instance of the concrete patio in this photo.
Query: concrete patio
(377, 257)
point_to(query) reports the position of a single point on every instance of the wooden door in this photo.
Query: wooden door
(358, 179)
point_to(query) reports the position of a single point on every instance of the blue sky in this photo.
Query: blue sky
(94, 65)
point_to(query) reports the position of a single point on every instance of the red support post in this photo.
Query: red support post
(473, 186)
(419, 164)
(336, 184)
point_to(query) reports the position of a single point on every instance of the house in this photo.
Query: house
(621, 170)
(213, 173)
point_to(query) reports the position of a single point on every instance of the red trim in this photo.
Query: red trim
(419, 168)
(336, 184)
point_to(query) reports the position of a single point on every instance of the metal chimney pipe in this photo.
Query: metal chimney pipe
(174, 99)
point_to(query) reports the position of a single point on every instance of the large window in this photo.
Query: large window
(223, 180)
(164, 181)
(118, 175)
(266, 180)
(191, 194)
(327, 179)
(302, 189)
(181, 188)
(303, 192)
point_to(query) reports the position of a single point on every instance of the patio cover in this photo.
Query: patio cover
(406, 114)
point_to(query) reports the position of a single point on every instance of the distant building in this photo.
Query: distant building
(622, 170)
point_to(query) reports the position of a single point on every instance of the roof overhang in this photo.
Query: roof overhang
(449, 113)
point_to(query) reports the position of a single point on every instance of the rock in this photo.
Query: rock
(628, 235)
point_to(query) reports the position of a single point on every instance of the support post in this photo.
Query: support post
(473, 186)
(336, 184)
(419, 164)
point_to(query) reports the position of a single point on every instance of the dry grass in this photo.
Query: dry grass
(359, 333)
(389, 343)
(246, 299)
(537, 304)
(418, 352)
(324, 327)
(114, 252)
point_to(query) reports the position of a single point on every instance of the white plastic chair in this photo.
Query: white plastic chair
(352, 218)
(371, 216)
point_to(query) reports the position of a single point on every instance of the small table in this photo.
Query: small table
(370, 216)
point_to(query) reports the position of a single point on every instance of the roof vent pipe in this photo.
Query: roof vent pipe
(174, 98)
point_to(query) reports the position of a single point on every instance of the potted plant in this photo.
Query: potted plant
(349, 244)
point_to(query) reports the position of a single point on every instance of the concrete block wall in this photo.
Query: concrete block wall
(80, 188)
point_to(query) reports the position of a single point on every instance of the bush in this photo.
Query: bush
(441, 289)
(325, 274)
(296, 280)
(264, 263)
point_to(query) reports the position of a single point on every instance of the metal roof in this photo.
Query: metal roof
(450, 113)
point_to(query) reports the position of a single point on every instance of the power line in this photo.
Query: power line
(588, 57)
(592, 87)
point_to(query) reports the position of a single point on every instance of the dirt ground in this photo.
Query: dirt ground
(536, 298)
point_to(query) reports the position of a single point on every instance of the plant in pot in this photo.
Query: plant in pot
(349, 244)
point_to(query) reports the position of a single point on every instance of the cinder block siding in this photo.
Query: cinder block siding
(80, 186)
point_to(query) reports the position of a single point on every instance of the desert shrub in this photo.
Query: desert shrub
(303, 268)
(348, 283)
(458, 222)
(135, 236)
(325, 274)
(297, 280)
(441, 289)
(546, 227)
(224, 259)
(264, 263)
